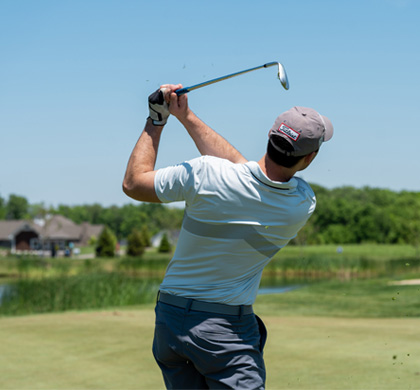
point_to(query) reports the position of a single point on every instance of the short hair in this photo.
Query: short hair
(281, 158)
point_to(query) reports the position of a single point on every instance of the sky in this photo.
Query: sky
(75, 77)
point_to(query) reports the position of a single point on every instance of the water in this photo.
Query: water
(277, 289)
(3, 288)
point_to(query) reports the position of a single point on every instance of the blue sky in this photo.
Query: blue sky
(75, 77)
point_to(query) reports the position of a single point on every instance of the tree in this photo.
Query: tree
(135, 244)
(165, 245)
(2, 208)
(132, 217)
(146, 236)
(105, 246)
(92, 241)
(343, 215)
(17, 207)
(38, 210)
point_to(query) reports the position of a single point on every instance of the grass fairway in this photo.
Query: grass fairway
(112, 350)
(79, 350)
(337, 353)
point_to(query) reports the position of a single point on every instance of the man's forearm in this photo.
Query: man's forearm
(208, 141)
(139, 176)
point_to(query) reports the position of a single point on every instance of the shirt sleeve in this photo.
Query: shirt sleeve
(177, 183)
(306, 189)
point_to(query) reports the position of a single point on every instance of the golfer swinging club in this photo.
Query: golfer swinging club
(238, 214)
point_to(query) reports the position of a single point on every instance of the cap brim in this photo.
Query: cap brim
(329, 129)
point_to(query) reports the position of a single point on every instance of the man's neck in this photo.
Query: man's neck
(275, 172)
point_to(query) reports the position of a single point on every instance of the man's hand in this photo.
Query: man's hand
(178, 105)
(158, 107)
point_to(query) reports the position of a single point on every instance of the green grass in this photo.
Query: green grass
(374, 251)
(87, 250)
(298, 259)
(90, 350)
(331, 353)
(112, 350)
(351, 284)
(374, 298)
(354, 331)
(357, 261)
(35, 267)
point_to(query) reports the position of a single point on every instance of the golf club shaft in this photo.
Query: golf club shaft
(188, 89)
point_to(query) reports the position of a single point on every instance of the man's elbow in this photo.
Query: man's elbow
(139, 192)
(131, 190)
(127, 188)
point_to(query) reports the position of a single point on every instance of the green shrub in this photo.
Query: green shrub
(105, 246)
(146, 236)
(165, 245)
(135, 244)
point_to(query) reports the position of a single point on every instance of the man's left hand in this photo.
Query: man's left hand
(158, 108)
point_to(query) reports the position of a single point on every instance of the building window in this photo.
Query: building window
(34, 243)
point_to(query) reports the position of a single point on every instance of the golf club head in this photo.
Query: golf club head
(283, 76)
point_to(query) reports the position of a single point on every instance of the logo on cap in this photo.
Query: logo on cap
(289, 132)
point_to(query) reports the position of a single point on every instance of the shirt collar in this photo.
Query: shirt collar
(260, 175)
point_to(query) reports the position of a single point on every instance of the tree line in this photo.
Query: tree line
(348, 215)
(344, 215)
(121, 220)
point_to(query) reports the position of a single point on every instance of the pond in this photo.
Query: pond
(3, 289)
(277, 289)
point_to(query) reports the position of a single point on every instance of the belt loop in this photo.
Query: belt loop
(188, 307)
(241, 311)
(157, 297)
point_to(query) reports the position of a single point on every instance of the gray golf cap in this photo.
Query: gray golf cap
(303, 128)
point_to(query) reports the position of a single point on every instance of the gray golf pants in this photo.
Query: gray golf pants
(200, 350)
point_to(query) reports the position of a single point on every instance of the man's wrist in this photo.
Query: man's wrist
(188, 117)
(154, 123)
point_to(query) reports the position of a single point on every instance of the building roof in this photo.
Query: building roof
(60, 228)
(8, 228)
(55, 227)
(89, 230)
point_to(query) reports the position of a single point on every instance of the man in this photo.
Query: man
(238, 214)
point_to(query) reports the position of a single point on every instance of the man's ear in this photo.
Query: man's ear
(309, 157)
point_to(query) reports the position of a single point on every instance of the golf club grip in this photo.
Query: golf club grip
(182, 91)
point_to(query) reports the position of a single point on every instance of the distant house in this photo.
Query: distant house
(17, 235)
(172, 235)
(54, 231)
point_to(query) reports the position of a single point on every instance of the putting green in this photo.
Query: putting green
(112, 350)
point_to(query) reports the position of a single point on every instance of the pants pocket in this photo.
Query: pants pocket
(263, 332)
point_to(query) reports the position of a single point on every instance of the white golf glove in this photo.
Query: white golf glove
(158, 108)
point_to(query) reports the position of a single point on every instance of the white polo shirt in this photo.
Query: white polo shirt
(235, 220)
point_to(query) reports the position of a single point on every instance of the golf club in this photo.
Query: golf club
(281, 75)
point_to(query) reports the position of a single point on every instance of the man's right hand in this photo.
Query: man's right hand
(178, 105)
